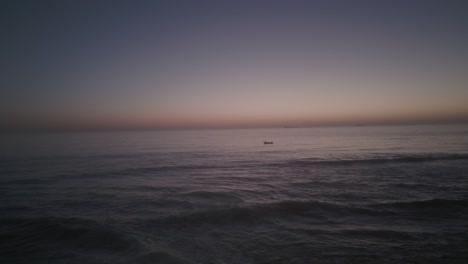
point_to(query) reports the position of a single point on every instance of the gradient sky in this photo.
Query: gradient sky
(232, 63)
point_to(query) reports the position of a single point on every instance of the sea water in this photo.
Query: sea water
(388, 194)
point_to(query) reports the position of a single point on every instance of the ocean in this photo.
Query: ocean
(385, 194)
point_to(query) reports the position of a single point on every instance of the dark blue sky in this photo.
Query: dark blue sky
(232, 63)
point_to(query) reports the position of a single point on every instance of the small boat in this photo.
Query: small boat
(267, 142)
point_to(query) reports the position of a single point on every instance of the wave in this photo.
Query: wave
(432, 204)
(330, 184)
(368, 233)
(23, 235)
(401, 158)
(319, 211)
(142, 188)
(214, 196)
(151, 170)
(15, 208)
(162, 257)
(313, 210)
(383, 234)
(43, 181)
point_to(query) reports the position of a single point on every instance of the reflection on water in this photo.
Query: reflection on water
(317, 195)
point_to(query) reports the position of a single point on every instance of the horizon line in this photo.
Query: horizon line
(90, 129)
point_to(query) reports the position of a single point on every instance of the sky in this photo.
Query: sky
(257, 63)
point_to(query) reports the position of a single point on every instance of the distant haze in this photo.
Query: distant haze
(195, 64)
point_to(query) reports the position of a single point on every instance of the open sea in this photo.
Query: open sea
(388, 194)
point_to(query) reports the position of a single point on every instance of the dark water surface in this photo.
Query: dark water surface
(317, 195)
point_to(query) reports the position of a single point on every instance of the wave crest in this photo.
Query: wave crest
(432, 204)
(250, 214)
(402, 158)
